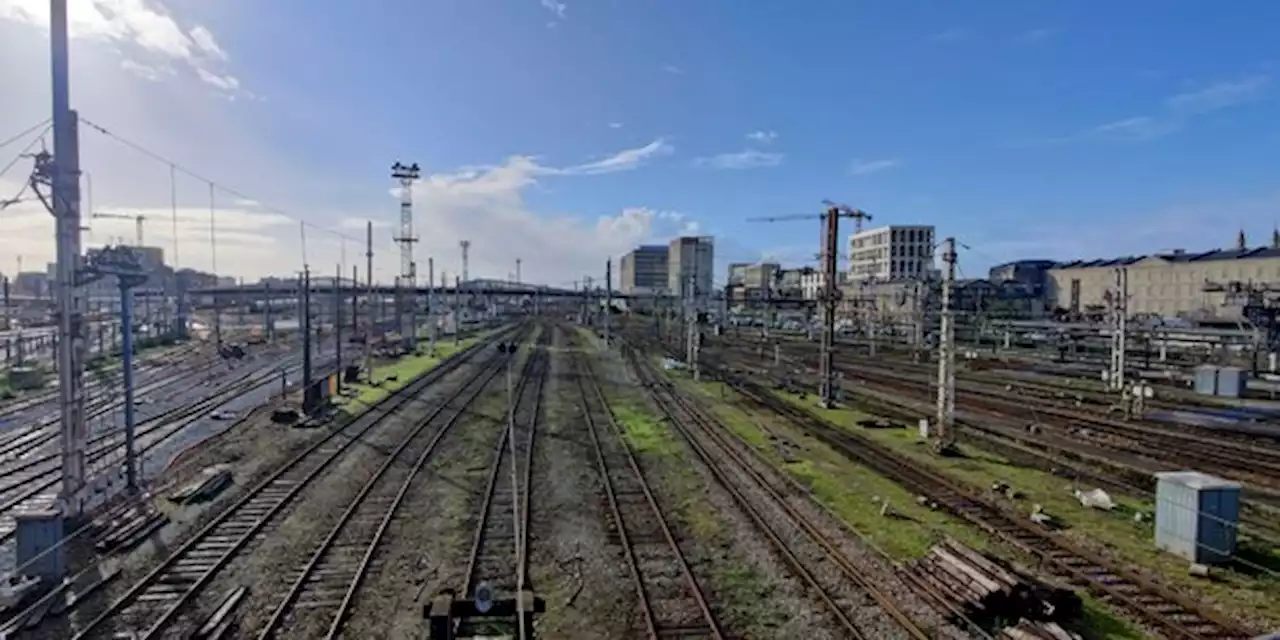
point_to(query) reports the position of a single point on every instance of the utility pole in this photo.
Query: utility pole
(337, 321)
(306, 330)
(691, 325)
(947, 353)
(518, 261)
(830, 296)
(368, 312)
(406, 175)
(432, 317)
(1119, 303)
(457, 311)
(608, 299)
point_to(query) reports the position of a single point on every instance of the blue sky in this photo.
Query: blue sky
(1026, 129)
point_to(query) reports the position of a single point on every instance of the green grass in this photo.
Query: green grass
(856, 495)
(848, 490)
(405, 370)
(1116, 529)
(645, 432)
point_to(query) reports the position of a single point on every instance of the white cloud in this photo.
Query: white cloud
(557, 8)
(1179, 111)
(624, 160)
(746, 159)
(615, 125)
(226, 83)
(673, 69)
(206, 42)
(762, 137)
(863, 167)
(143, 32)
(1220, 95)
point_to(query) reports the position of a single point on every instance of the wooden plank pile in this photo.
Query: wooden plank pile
(209, 484)
(986, 591)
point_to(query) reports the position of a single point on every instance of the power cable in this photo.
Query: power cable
(177, 166)
(24, 133)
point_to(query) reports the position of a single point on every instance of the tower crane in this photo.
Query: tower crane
(139, 219)
(831, 292)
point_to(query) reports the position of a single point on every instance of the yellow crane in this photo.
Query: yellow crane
(139, 219)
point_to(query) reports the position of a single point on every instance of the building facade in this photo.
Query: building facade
(1034, 274)
(691, 256)
(1210, 286)
(814, 281)
(891, 253)
(644, 270)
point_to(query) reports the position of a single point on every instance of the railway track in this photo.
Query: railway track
(862, 608)
(499, 544)
(1177, 616)
(317, 603)
(672, 604)
(35, 480)
(164, 596)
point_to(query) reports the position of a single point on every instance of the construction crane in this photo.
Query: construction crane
(831, 292)
(139, 219)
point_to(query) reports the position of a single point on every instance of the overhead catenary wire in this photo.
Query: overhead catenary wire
(9, 165)
(177, 167)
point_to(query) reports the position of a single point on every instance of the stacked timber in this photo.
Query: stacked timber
(986, 591)
(130, 529)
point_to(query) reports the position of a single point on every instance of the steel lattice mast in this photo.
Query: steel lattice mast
(405, 284)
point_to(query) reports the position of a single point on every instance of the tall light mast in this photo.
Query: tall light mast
(405, 282)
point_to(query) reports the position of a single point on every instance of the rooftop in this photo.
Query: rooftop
(1176, 257)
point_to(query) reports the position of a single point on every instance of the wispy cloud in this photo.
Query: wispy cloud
(1179, 111)
(950, 35)
(673, 70)
(624, 160)
(1033, 36)
(615, 125)
(762, 137)
(746, 159)
(1220, 95)
(861, 167)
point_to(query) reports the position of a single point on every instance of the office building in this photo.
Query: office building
(891, 253)
(644, 270)
(691, 256)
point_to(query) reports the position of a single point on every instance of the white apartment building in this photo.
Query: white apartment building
(894, 252)
(812, 283)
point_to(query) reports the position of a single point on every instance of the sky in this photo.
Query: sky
(564, 133)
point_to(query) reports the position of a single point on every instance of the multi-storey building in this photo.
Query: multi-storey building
(644, 270)
(814, 281)
(891, 253)
(1203, 286)
(691, 256)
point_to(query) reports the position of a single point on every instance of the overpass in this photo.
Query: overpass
(497, 288)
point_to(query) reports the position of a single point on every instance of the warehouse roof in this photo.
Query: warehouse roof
(1177, 256)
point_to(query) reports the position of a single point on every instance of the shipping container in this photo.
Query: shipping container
(1232, 381)
(1197, 516)
(1206, 380)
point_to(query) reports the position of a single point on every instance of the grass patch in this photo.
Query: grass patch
(644, 431)
(1126, 539)
(856, 495)
(404, 370)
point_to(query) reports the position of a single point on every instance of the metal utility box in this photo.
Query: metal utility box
(37, 532)
(1197, 516)
(1206, 380)
(1232, 381)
